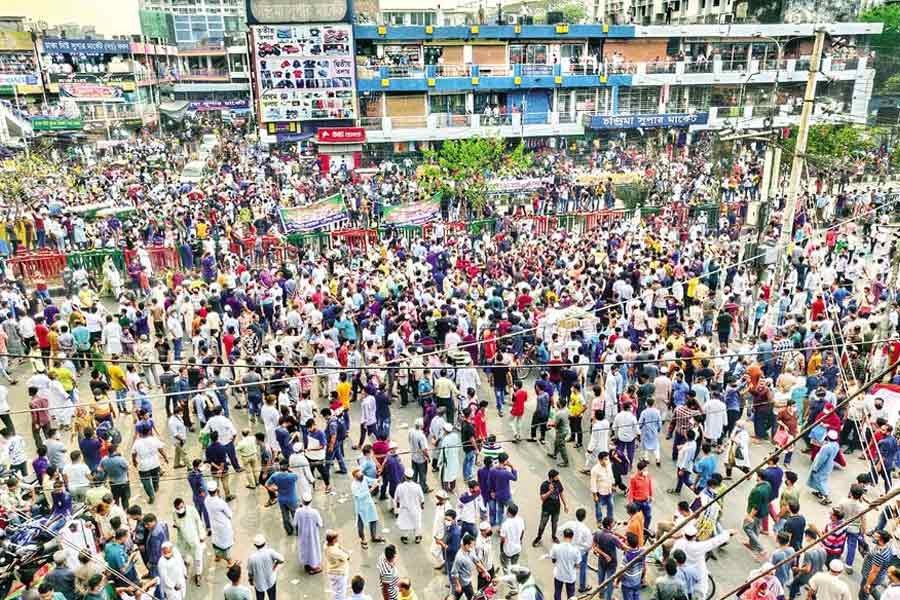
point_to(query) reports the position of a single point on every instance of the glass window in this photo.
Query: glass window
(585, 101)
(536, 54)
(448, 103)
(516, 54)
(572, 51)
(638, 100)
(421, 18)
(394, 18)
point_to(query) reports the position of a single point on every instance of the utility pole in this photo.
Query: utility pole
(793, 193)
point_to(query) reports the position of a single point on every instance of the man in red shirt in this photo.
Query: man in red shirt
(520, 397)
(42, 333)
(640, 490)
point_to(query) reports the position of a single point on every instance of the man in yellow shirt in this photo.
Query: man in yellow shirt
(343, 389)
(117, 383)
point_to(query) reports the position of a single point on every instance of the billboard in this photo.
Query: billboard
(90, 92)
(157, 24)
(304, 72)
(648, 121)
(262, 12)
(89, 47)
(56, 123)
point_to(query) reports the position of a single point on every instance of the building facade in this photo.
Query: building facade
(417, 85)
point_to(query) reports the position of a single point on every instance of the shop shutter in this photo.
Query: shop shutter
(489, 55)
(406, 105)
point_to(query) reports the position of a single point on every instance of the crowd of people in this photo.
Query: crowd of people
(289, 380)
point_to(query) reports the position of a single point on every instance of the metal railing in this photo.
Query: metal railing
(205, 74)
(773, 64)
(402, 71)
(844, 64)
(498, 121)
(371, 123)
(449, 120)
(698, 67)
(590, 68)
(734, 65)
(495, 70)
(660, 67)
(451, 71)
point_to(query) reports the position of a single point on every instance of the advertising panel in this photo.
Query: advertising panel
(341, 135)
(304, 72)
(413, 213)
(90, 92)
(15, 40)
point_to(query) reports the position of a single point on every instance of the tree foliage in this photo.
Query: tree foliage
(887, 44)
(829, 144)
(891, 85)
(463, 167)
(573, 12)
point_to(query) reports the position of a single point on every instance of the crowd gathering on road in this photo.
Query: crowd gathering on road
(642, 346)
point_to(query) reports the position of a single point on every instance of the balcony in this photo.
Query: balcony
(443, 126)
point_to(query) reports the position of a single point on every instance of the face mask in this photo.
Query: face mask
(180, 513)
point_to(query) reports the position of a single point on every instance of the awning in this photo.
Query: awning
(174, 110)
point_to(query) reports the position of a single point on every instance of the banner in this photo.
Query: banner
(90, 92)
(648, 121)
(415, 213)
(512, 186)
(598, 178)
(91, 47)
(56, 124)
(314, 216)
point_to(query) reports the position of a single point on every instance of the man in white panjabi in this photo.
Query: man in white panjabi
(409, 500)
(191, 532)
(172, 573)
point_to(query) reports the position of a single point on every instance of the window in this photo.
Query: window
(532, 54)
(571, 51)
(638, 100)
(421, 18)
(585, 101)
(394, 18)
(447, 103)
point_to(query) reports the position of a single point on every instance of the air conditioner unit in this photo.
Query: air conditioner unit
(726, 19)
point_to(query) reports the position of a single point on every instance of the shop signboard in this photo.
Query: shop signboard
(317, 215)
(89, 47)
(304, 72)
(260, 12)
(341, 135)
(56, 124)
(90, 92)
(648, 121)
(211, 105)
(18, 79)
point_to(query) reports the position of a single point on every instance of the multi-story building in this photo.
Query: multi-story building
(417, 85)
(722, 12)
(212, 65)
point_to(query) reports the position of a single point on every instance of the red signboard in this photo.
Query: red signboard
(341, 135)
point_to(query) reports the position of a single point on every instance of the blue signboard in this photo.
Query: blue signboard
(92, 47)
(648, 121)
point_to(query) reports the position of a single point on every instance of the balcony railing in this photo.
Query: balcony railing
(402, 71)
(660, 67)
(773, 64)
(451, 71)
(495, 70)
(844, 64)
(444, 120)
(734, 65)
(698, 67)
(534, 70)
(370, 123)
(206, 74)
(409, 122)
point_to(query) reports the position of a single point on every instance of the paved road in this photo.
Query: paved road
(337, 511)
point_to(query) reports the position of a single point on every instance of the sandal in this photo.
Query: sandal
(364, 544)
(418, 539)
(378, 540)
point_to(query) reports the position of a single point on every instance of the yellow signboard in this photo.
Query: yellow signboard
(24, 88)
(598, 178)
(15, 40)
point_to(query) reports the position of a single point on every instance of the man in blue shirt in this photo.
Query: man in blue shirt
(217, 457)
(284, 483)
(501, 494)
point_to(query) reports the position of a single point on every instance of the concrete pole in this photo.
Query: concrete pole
(793, 194)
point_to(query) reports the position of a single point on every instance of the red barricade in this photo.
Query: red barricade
(162, 258)
(357, 239)
(34, 266)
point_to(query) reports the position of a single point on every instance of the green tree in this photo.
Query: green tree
(887, 44)
(464, 167)
(891, 85)
(573, 12)
(829, 145)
